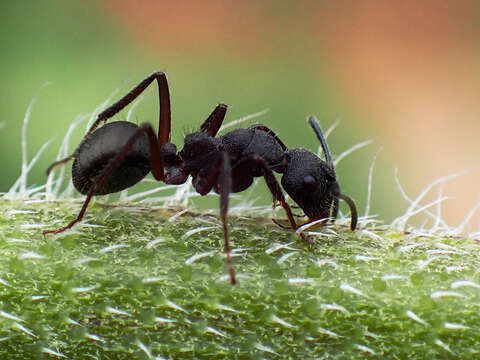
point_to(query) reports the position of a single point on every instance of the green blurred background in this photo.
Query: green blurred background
(289, 57)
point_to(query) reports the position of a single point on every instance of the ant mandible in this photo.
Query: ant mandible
(120, 154)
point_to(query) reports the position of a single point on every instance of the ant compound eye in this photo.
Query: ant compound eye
(309, 182)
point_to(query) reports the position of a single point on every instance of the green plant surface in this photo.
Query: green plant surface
(133, 282)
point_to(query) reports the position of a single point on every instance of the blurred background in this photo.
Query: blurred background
(405, 74)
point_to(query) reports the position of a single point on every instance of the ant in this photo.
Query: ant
(120, 154)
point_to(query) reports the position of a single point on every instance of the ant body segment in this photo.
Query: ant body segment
(120, 154)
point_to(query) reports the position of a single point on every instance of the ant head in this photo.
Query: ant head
(310, 182)
(198, 146)
(174, 173)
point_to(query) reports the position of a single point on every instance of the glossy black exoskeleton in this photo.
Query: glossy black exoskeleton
(120, 154)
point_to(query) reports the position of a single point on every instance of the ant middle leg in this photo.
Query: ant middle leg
(218, 176)
(274, 188)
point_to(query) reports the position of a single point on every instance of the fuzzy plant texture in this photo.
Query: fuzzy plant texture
(136, 281)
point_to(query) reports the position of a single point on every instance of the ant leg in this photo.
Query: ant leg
(77, 219)
(156, 165)
(164, 102)
(164, 116)
(275, 189)
(212, 124)
(59, 162)
(219, 175)
(225, 182)
(270, 132)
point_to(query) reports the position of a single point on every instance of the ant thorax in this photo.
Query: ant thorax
(198, 149)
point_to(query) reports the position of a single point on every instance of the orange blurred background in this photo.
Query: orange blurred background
(410, 68)
(404, 73)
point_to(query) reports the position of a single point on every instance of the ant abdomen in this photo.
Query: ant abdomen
(99, 148)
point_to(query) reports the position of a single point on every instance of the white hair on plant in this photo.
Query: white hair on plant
(154, 243)
(285, 257)
(280, 321)
(174, 306)
(144, 348)
(365, 258)
(113, 247)
(243, 119)
(334, 307)
(137, 101)
(327, 262)
(415, 317)
(163, 320)
(30, 255)
(94, 337)
(442, 294)
(369, 185)
(153, 279)
(197, 230)
(124, 197)
(389, 277)
(116, 311)
(83, 289)
(330, 129)
(19, 188)
(32, 226)
(226, 308)
(98, 109)
(350, 150)
(52, 193)
(454, 326)
(278, 246)
(415, 208)
(443, 345)
(422, 264)
(214, 331)
(327, 332)
(52, 352)
(352, 290)
(198, 256)
(9, 316)
(301, 281)
(465, 283)
(84, 260)
(264, 348)
(24, 330)
(365, 349)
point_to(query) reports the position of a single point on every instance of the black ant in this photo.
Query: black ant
(120, 154)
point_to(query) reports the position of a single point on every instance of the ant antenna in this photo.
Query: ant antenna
(314, 124)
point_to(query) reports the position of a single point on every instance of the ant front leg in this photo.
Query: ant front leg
(218, 176)
(225, 182)
(274, 188)
(164, 116)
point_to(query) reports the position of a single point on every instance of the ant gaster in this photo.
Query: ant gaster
(120, 154)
